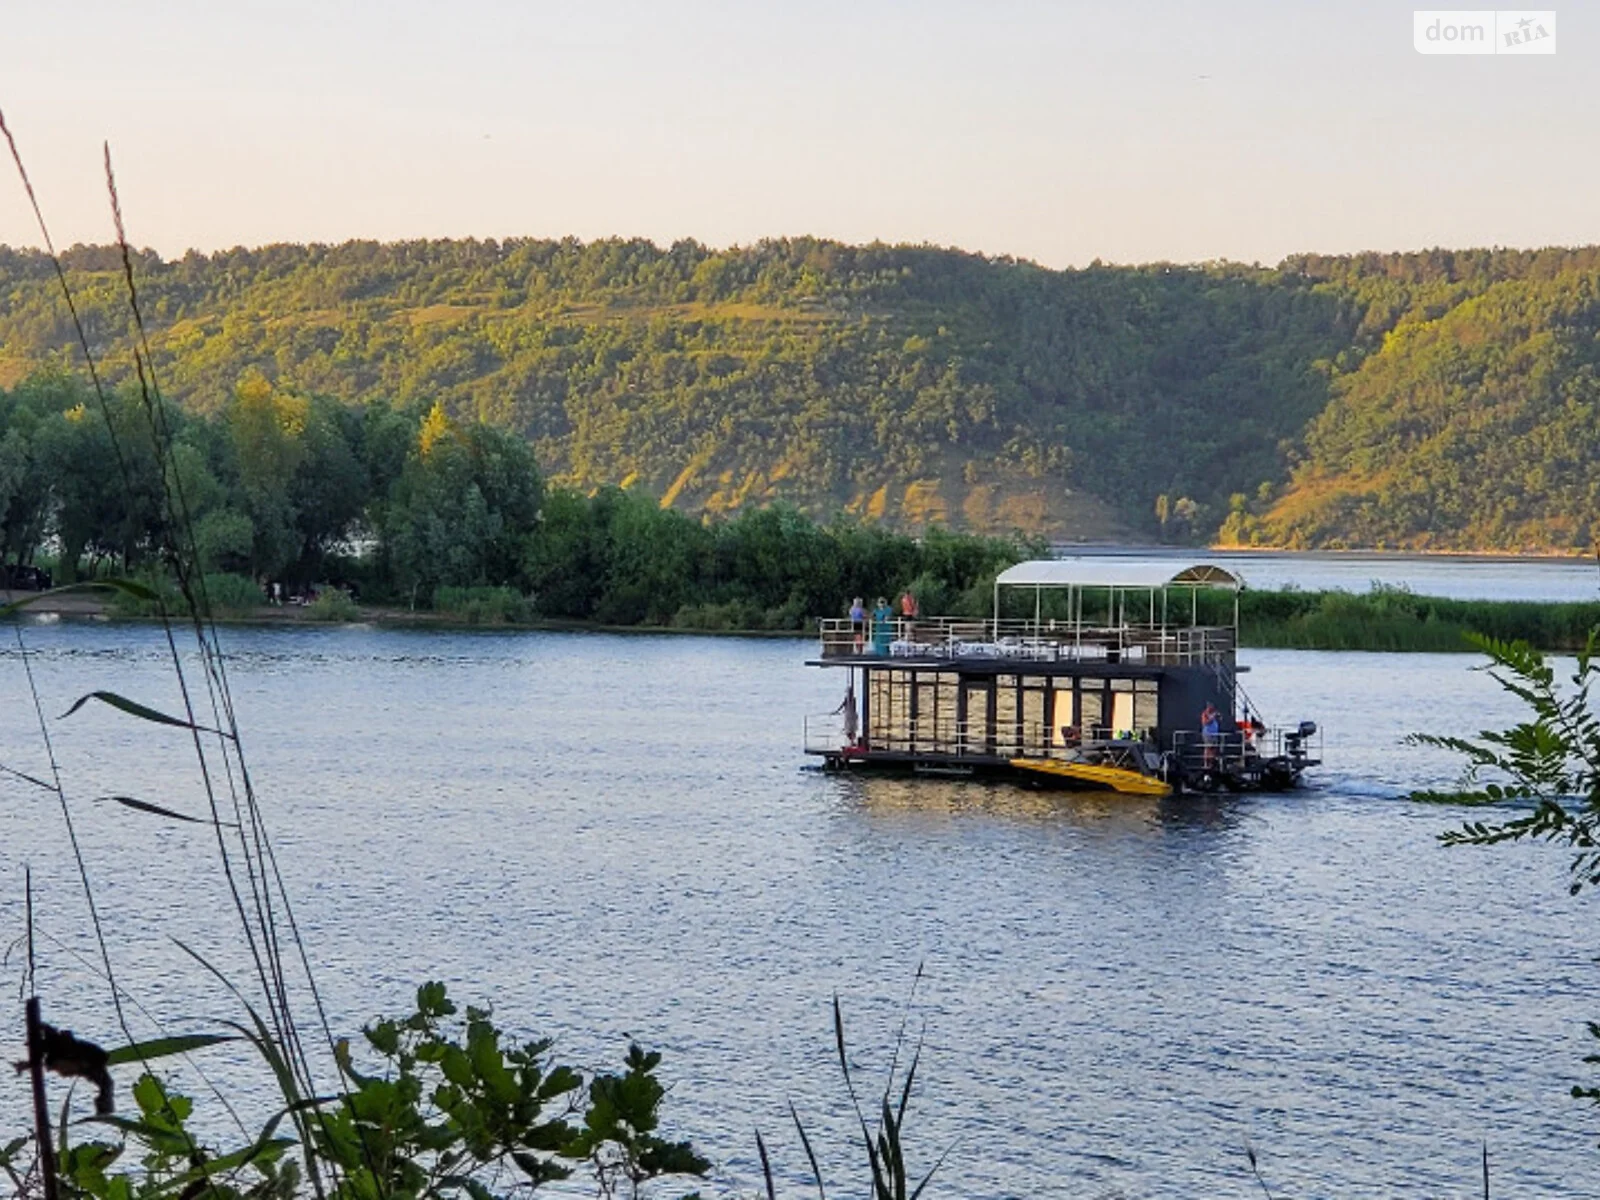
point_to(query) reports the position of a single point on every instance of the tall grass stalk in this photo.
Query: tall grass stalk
(886, 1175)
(457, 1112)
(248, 864)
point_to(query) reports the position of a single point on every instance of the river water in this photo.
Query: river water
(613, 835)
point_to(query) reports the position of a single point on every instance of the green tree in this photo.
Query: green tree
(463, 508)
(331, 487)
(567, 560)
(267, 428)
(447, 1107)
(657, 560)
(223, 536)
(107, 488)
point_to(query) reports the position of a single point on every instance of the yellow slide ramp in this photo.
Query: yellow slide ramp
(1114, 779)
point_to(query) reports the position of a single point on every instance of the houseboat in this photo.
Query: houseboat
(1124, 678)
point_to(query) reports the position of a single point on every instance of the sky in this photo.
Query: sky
(1060, 132)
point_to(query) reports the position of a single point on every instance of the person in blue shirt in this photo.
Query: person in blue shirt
(858, 623)
(1210, 733)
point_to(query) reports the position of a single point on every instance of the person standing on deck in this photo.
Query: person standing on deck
(908, 614)
(1210, 733)
(852, 716)
(858, 622)
(882, 627)
(1249, 729)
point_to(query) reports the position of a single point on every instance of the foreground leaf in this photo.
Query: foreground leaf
(134, 709)
(158, 810)
(165, 1047)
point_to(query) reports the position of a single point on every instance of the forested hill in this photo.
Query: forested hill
(1472, 423)
(1441, 399)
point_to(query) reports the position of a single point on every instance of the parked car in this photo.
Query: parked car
(25, 579)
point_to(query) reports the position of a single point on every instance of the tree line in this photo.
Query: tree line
(1438, 399)
(406, 505)
(913, 384)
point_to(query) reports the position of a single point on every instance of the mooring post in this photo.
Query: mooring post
(41, 1109)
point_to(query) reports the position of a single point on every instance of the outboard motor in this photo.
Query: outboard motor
(1294, 742)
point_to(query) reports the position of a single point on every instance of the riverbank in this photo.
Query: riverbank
(1380, 620)
(91, 608)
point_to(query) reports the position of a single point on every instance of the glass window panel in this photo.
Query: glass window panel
(1090, 713)
(1034, 734)
(927, 726)
(1145, 711)
(977, 732)
(1005, 720)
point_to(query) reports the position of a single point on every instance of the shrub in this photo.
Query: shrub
(1545, 769)
(740, 616)
(333, 604)
(233, 593)
(227, 593)
(482, 605)
(121, 604)
(718, 618)
(457, 1110)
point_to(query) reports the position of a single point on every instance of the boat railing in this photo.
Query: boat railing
(966, 639)
(1232, 750)
(825, 734)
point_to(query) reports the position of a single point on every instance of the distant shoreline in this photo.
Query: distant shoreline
(1393, 621)
(267, 616)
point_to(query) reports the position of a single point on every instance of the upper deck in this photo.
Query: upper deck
(1099, 612)
(966, 641)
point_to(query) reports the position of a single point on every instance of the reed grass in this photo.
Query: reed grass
(1397, 620)
(245, 856)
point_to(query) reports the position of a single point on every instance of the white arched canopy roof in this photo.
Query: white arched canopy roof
(1111, 573)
